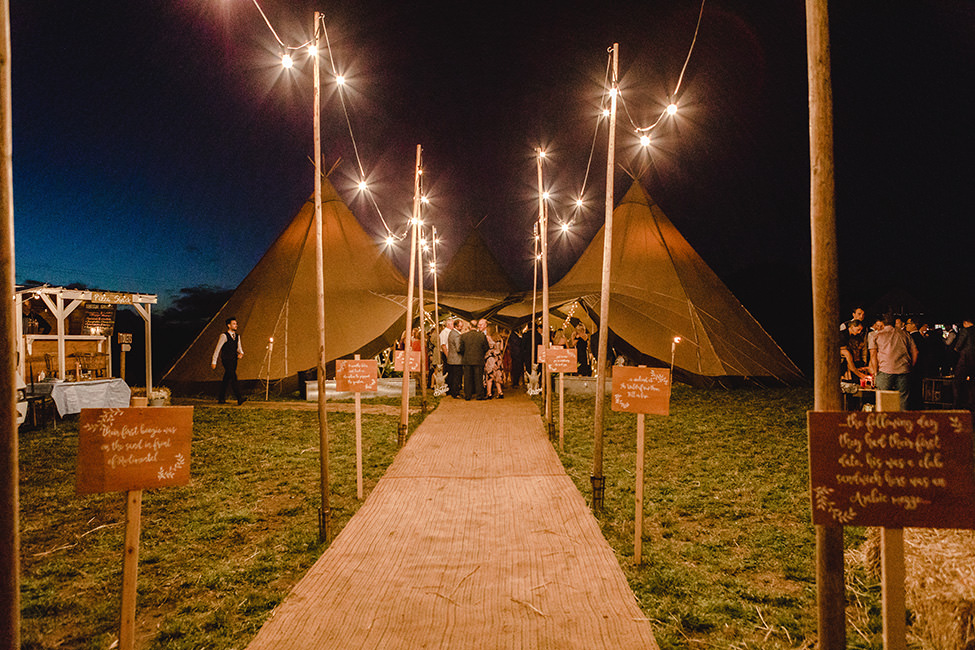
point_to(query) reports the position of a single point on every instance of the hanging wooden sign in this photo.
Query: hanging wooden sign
(892, 469)
(641, 390)
(358, 375)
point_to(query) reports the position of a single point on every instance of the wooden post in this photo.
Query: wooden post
(423, 329)
(561, 411)
(602, 368)
(831, 596)
(408, 336)
(638, 495)
(9, 476)
(893, 604)
(130, 569)
(543, 238)
(325, 514)
(358, 443)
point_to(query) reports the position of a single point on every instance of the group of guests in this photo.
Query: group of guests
(472, 354)
(479, 360)
(897, 353)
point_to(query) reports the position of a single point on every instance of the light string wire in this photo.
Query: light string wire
(619, 95)
(680, 80)
(348, 121)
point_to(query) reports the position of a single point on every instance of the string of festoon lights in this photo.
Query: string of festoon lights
(643, 132)
(287, 61)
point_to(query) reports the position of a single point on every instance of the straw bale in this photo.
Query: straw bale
(939, 584)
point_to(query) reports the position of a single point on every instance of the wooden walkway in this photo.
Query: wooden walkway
(474, 538)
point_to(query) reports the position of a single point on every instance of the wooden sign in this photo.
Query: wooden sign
(357, 375)
(641, 390)
(415, 356)
(562, 360)
(133, 448)
(125, 338)
(99, 319)
(892, 469)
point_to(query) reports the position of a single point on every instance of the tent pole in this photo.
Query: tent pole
(436, 302)
(597, 478)
(408, 335)
(830, 590)
(325, 514)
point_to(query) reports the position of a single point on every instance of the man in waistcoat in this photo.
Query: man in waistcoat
(473, 347)
(229, 350)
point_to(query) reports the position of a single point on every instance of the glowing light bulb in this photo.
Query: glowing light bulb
(605, 112)
(312, 50)
(613, 92)
(424, 199)
(676, 339)
(645, 140)
(390, 240)
(672, 109)
(545, 195)
(287, 61)
(578, 203)
(363, 186)
(565, 227)
(271, 339)
(538, 257)
(541, 153)
(340, 80)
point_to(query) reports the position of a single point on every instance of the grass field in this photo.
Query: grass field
(728, 545)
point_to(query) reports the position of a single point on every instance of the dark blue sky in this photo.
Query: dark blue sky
(158, 146)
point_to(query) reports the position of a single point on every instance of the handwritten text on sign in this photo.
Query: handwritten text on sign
(133, 448)
(892, 469)
(641, 390)
(414, 360)
(562, 360)
(357, 375)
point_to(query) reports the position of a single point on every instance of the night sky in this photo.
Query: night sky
(158, 144)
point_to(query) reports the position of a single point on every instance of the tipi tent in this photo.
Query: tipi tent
(364, 311)
(660, 288)
(474, 282)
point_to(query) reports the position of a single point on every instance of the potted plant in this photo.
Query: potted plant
(159, 396)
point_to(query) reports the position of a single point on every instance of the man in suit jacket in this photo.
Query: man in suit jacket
(473, 348)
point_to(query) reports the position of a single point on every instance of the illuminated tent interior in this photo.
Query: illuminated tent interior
(660, 288)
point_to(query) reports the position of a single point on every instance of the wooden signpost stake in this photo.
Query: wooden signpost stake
(130, 450)
(561, 360)
(357, 376)
(640, 390)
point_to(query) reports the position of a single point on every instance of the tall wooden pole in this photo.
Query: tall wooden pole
(829, 539)
(436, 301)
(325, 515)
(423, 321)
(534, 348)
(408, 337)
(543, 235)
(9, 477)
(602, 368)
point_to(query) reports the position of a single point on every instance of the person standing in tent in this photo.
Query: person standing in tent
(473, 348)
(229, 349)
(581, 343)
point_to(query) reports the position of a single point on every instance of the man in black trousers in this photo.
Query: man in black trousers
(229, 350)
(473, 347)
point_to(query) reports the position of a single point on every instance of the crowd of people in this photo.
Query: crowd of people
(898, 353)
(480, 359)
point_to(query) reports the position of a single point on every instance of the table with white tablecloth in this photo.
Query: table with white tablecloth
(72, 396)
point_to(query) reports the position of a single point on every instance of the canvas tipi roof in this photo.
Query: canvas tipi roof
(278, 299)
(474, 282)
(661, 288)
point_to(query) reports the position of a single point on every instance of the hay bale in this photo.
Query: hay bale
(939, 584)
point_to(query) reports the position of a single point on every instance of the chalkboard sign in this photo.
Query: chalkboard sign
(99, 319)
(133, 448)
(641, 390)
(415, 356)
(562, 360)
(357, 375)
(892, 469)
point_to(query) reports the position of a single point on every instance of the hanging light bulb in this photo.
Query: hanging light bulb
(363, 186)
(565, 227)
(578, 203)
(645, 140)
(312, 50)
(424, 199)
(287, 61)
(390, 240)
(340, 80)
(545, 195)
(671, 108)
